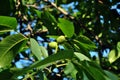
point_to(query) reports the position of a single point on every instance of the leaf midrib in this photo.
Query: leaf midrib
(13, 46)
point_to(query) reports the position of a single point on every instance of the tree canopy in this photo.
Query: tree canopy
(59, 40)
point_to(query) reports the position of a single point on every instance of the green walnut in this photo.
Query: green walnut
(53, 44)
(61, 39)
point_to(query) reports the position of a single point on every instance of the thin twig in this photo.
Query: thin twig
(34, 6)
(29, 28)
(60, 9)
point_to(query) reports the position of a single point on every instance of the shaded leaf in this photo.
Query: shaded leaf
(66, 26)
(6, 7)
(90, 71)
(83, 44)
(86, 41)
(5, 74)
(111, 75)
(49, 21)
(38, 13)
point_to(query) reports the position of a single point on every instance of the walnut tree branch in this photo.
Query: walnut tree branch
(78, 21)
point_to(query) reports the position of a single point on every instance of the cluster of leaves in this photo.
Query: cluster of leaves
(27, 27)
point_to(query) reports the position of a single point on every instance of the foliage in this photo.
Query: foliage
(28, 29)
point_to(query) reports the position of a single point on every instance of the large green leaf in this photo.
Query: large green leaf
(7, 23)
(90, 70)
(111, 75)
(35, 48)
(66, 26)
(67, 54)
(87, 43)
(83, 44)
(9, 47)
(49, 21)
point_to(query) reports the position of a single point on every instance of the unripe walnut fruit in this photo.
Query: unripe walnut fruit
(61, 39)
(53, 44)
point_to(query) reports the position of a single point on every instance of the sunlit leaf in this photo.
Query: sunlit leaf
(81, 56)
(118, 46)
(53, 36)
(70, 69)
(44, 52)
(35, 48)
(7, 23)
(66, 26)
(114, 54)
(9, 47)
(67, 54)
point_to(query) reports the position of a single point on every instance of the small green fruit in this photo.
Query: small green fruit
(53, 44)
(61, 39)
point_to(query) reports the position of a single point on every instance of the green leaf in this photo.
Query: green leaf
(66, 54)
(111, 75)
(52, 36)
(35, 48)
(70, 69)
(81, 56)
(7, 23)
(86, 42)
(66, 26)
(83, 44)
(5, 74)
(98, 76)
(5, 7)
(49, 21)
(90, 71)
(118, 46)
(9, 47)
(112, 56)
(38, 13)
(44, 51)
